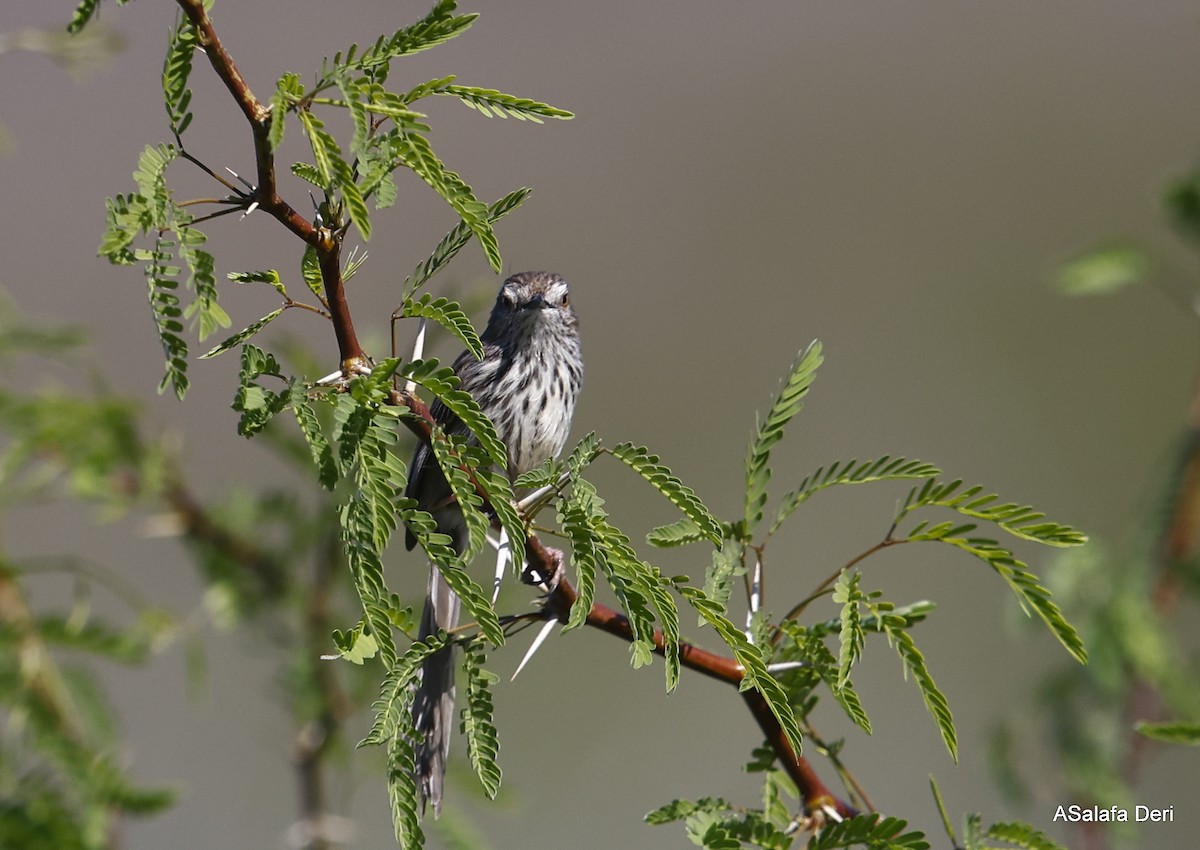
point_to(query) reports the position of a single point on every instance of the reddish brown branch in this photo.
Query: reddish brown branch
(266, 194)
(720, 667)
(328, 246)
(329, 256)
(256, 113)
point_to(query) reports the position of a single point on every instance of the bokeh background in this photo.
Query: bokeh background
(899, 180)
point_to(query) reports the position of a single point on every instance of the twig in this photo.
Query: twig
(823, 588)
(326, 241)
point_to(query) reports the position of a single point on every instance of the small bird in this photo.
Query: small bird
(527, 383)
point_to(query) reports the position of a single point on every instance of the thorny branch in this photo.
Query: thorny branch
(327, 243)
(817, 797)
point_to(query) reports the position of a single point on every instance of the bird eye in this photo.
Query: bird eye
(566, 299)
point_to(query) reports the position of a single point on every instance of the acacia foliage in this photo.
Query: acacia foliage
(350, 428)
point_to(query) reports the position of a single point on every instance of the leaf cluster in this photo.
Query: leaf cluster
(388, 134)
(347, 435)
(792, 663)
(61, 780)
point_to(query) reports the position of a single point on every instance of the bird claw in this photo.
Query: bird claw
(532, 575)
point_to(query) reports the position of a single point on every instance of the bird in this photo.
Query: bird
(527, 382)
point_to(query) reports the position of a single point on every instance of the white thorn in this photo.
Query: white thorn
(503, 556)
(331, 378)
(240, 179)
(533, 647)
(541, 493)
(417, 352)
(784, 666)
(755, 597)
(249, 210)
(832, 813)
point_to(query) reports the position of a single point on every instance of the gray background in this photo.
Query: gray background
(897, 179)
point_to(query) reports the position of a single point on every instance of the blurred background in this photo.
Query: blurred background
(900, 181)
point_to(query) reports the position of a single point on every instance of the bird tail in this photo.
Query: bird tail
(433, 703)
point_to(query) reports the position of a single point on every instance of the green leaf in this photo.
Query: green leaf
(941, 807)
(454, 241)
(1018, 520)
(176, 68)
(450, 316)
(125, 217)
(677, 810)
(358, 113)
(356, 204)
(542, 476)
(335, 173)
(585, 451)
(357, 645)
(413, 151)
(164, 304)
(851, 636)
(575, 519)
(492, 103)
(829, 669)
(206, 314)
(639, 459)
(851, 472)
(1030, 594)
(395, 107)
(450, 453)
(360, 531)
(598, 545)
(770, 431)
(935, 700)
(750, 658)
(84, 12)
(314, 437)
(678, 533)
(1104, 270)
(1022, 835)
(243, 335)
(639, 586)
(269, 277)
(873, 830)
(726, 564)
(310, 270)
(503, 501)
(152, 164)
(309, 172)
(1171, 733)
(395, 694)
(442, 382)
(321, 143)
(288, 90)
(477, 719)
(402, 791)
(438, 26)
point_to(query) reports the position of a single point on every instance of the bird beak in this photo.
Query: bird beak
(537, 302)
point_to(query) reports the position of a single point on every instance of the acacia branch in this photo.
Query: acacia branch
(199, 526)
(266, 193)
(316, 736)
(816, 795)
(327, 244)
(813, 791)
